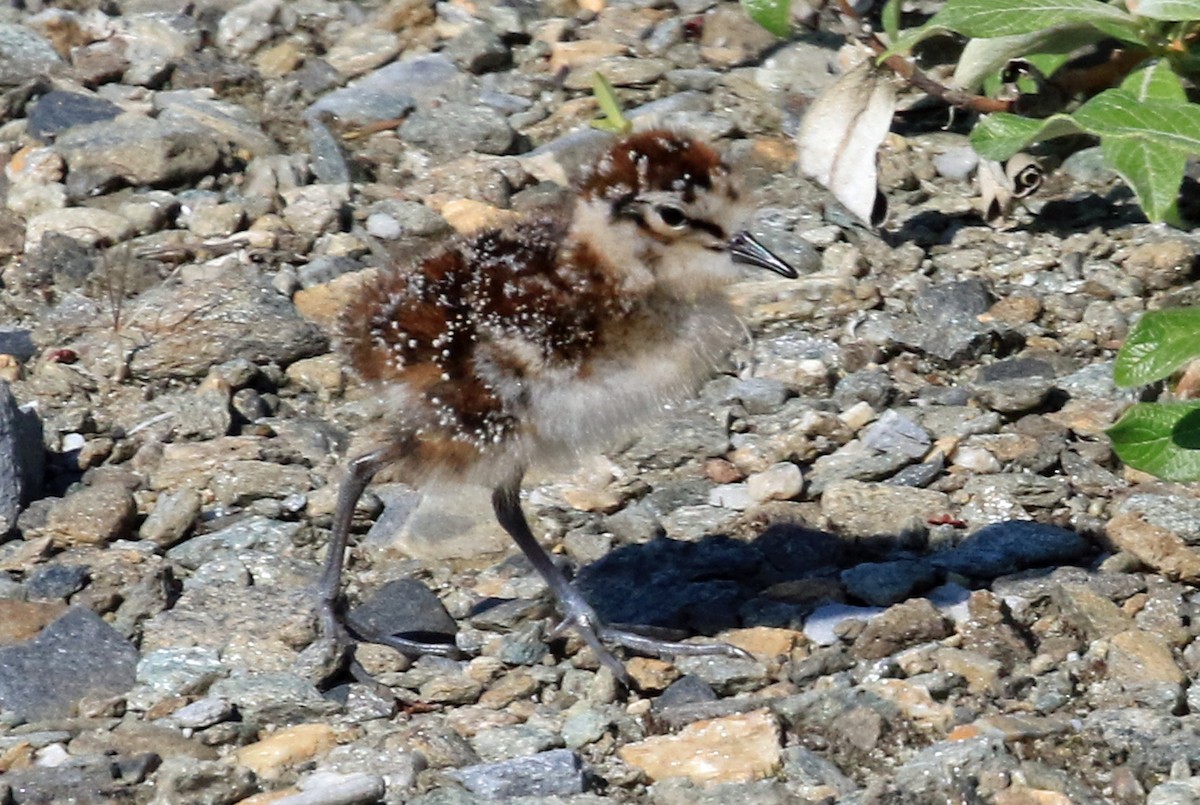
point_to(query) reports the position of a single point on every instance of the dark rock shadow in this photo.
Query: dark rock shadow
(789, 570)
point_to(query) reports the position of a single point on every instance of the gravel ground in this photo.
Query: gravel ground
(898, 497)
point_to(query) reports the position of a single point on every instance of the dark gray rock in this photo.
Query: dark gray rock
(726, 675)
(89, 780)
(1010, 546)
(406, 608)
(950, 770)
(110, 154)
(56, 581)
(396, 89)
(328, 159)
(453, 128)
(919, 475)
(760, 395)
(76, 656)
(478, 49)
(896, 433)
(58, 111)
(688, 689)
(21, 458)
(854, 462)
(883, 583)
(872, 386)
(17, 342)
(947, 326)
(273, 698)
(805, 766)
(1014, 385)
(558, 772)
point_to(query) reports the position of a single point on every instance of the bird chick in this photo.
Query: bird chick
(549, 340)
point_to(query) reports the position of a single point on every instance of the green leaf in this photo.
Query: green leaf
(890, 16)
(1122, 31)
(614, 119)
(1118, 113)
(1153, 170)
(982, 58)
(1161, 342)
(1158, 82)
(991, 18)
(910, 38)
(774, 15)
(1169, 10)
(1146, 141)
(1001, 135)
(1161, 439)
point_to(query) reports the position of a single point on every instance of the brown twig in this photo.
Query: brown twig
(955, 97)
(909, 72)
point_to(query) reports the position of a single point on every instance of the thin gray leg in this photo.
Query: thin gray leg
(577, 613)
(335, 623)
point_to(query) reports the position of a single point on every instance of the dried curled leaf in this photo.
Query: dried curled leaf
(1002, 185)
(840, 135)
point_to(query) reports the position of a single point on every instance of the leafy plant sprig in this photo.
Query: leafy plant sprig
(613, 119)
(1140, 113)
(1161, 438)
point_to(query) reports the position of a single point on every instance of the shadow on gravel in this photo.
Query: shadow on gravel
(783, 575)
(1059, 217)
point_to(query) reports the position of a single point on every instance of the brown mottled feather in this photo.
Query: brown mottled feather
(653, 160)
(475, 347)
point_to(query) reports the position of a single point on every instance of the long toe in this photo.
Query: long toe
(585, 626)
(405, 615)
(408, 646)
(631, 639)
(326, 656)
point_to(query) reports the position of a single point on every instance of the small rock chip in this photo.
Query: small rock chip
(781, 481)
(734, 749)
(651, 674)
(92, 515)
(468, 216)
(764, 642)
(558, 772)
(284, 749)
(1157, 547)
(1142, 662)
(21, 620)
(914, 621)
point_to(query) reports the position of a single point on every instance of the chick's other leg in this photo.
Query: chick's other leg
(337, 626)
(577, 613)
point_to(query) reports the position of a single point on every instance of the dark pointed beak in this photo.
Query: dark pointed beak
(745, 248)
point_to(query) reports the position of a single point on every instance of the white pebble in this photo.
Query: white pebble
(781, 481)
(730, 496)
(975, 459)
(383, 226)
(858, 415)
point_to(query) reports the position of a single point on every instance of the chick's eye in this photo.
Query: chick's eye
(671, 216)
